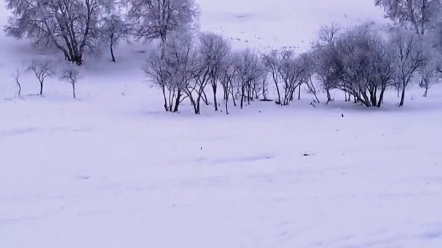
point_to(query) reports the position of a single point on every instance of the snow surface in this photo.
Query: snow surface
(113, 170)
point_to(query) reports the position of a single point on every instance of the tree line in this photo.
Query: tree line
(364, 61)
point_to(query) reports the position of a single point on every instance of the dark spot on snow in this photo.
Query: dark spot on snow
(241, 159)
(18, 131)
(432, 235)
(241, 16)
(82, 177)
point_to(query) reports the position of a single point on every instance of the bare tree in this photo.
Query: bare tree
(158, 72)
(329, 34)
(271, 62)
(260, 85)
(286, 70)
(173, 68)
(71, 75)
(419, 15)
(363, 64)
(291, 72)
(228, 72)
(213, 48)
(409, 58)
(431, 68)
(70, 26)
(113, 30)
(248, 70)
(16, 77)
(428, 78)
(42, 70)
(264, 79)
(156, 19)
(307, 61)
(200, 79)
(324, 56)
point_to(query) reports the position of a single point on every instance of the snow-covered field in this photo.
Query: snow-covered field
(112, 170)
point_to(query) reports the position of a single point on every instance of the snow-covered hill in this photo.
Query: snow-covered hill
(113, 170)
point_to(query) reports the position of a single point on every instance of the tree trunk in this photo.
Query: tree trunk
(77, 59)
(170, 101)
(242, 96)
(112, 52)
(19, 89)
(41, 88)
(165, 98)
(299, 92)
(204, 96)
(402, 98)
(226, 102)
(426, 92)
(277, 90)
(328, 96)
(215, 102)
(264, 93)
(373, 98)
(381, 98)
(73, 91)
(233, 98)
(225, 93)
(177, 101)
(197, 105)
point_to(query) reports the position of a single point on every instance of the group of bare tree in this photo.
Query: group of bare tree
(45, 69)
(189, 63)
(79, 27)
(364, 61)
(369, 59)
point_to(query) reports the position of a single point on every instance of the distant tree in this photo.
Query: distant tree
(408, 58)
(71, 75)
(271, 61)
(260, 85)
(324, 56)
(419, 15)
(430, 68)
(42, 70)
(16, 77)
(287, 71)
(307, 61)
(212, 50)
(291, 72)
(363, 64)
(329, 34)
(264, 79)
(171, 66)
(70, 26)
(156, 19)
(325, 61)
(228, 72)
(248, 69)
(113, 30)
